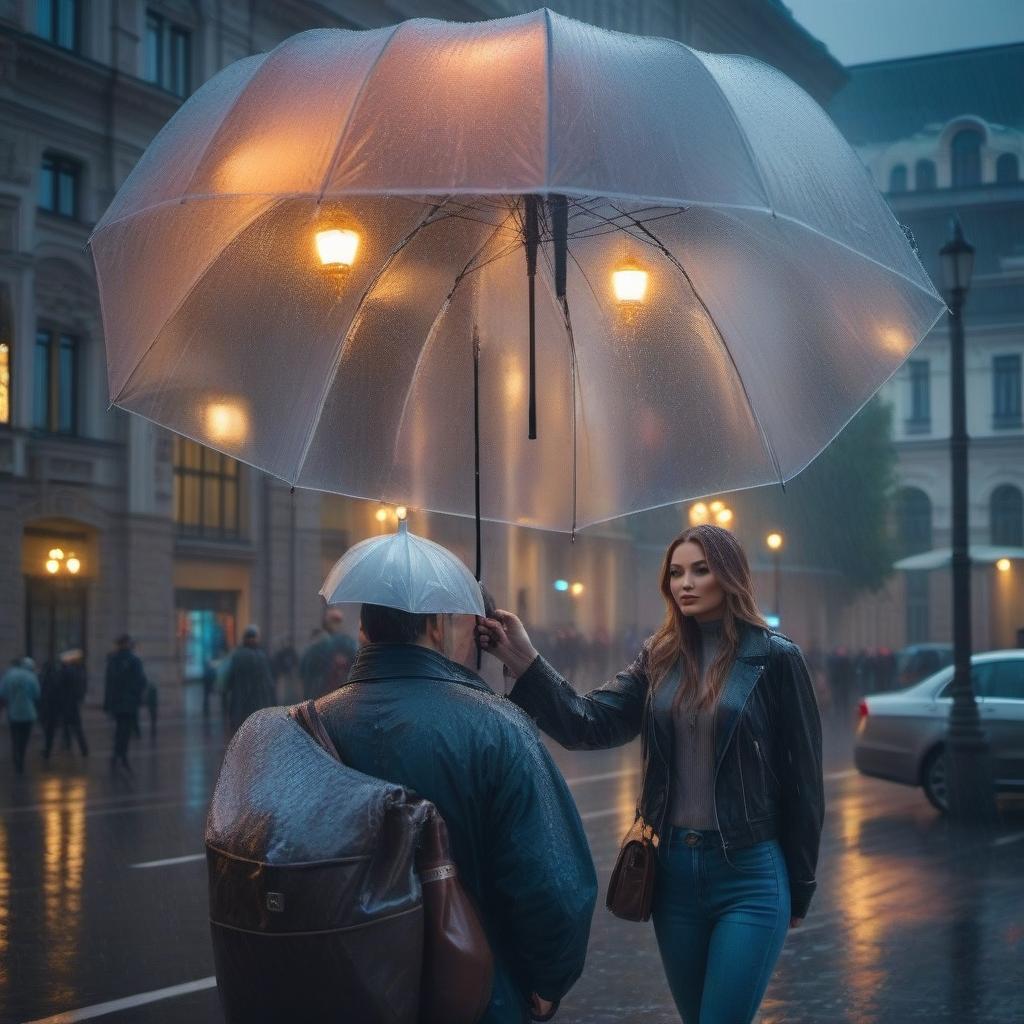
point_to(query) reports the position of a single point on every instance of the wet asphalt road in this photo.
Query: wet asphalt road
(103, 891)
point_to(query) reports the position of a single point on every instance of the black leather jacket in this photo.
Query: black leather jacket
(768, 775)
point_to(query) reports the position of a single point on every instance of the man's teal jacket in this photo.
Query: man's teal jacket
(410, 716)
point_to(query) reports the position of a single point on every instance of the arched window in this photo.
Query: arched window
(898, 178)
(913, 522)
(1007, 169)
(1006, 510)
(924, 175)
(966, 155)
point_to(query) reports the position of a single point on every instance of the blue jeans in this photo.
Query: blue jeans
(720, 926)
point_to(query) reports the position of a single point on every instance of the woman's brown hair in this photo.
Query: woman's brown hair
(678, 639)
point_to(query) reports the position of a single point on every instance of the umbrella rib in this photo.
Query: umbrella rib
(714, 323)
(429, 338)
(427, 219)
(335, 156)
(188, 294)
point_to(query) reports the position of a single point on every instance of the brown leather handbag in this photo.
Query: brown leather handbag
(458, 966)
(631, 886)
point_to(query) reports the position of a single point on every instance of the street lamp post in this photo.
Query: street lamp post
(968, 755)
(774, 541)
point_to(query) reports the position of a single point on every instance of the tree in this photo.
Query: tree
(834, 514)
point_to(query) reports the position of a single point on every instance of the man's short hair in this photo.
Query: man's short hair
(384, 625)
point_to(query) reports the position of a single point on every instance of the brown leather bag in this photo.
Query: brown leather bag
(458, 966)
(631, 886)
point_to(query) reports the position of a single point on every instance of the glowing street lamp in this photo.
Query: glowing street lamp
(630, 285)
(577, 589)
(774, 541)
(337, 248)
(723, 517)
(401, 512)
(52, 566)
(56, 553)
(73, 564)
(381, 514)
(1003, 565)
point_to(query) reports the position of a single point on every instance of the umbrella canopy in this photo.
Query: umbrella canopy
(403, 571)
(295, 271)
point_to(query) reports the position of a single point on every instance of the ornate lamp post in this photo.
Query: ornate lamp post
(774, 542)
(968, 755)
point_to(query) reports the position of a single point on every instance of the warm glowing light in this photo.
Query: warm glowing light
(55, 553)
(381, 514)
(1003, 565)
(630, 284)
(698, 513)
(401, 512)
(226, 422)
(577, 589)
(337, 248)
(52, 565)
(717, 506)
(73, 564)
(724, 518)
(774, 541)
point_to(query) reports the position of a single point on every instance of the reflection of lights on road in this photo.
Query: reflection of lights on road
(63, 871)
(5, 903)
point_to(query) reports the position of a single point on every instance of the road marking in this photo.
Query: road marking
(1005, 840)
(116, 1005)
(169, 860)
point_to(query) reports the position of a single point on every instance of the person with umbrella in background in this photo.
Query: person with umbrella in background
(414, 712)
(125, 685)
(249, 679)
(19, 693)
(732, 780)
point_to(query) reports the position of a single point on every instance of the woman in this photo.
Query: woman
(731, 742)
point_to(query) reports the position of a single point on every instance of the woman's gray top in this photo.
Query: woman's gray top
(693, 752)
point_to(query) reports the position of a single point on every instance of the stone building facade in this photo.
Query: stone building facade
(172, 543)
(943, 136)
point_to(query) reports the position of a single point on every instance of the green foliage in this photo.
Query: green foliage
(834, 514)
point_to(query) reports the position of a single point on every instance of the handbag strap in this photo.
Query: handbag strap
(309, 719)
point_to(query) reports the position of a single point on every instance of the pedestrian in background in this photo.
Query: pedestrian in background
(69, 688)
(738, 831)
(326, 663)
(125, 685)
(20, 693)
(249, 681)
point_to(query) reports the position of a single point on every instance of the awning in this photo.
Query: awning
(939, 558)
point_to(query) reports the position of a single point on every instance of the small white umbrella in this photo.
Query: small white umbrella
(404, 571)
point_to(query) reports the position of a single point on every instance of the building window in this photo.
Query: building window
(913, 522)
(966, 154)
(919, 420)
(55, 385)
(1006, 516)
(924, 175)
(59, 22)
(898, 178)
(1006, 392)
(59, 179)
(1007, 169)
(206, 492)
(5, 382)
(168, 54)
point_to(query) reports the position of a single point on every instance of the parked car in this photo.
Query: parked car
(918, 661)
(901, 736)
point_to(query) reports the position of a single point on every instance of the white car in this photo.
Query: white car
(901, 736)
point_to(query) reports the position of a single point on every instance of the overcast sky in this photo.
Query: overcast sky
(859, 31)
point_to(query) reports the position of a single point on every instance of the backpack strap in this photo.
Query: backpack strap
(309, 719)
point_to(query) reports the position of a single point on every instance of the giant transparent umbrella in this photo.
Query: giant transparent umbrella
(676, 275)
